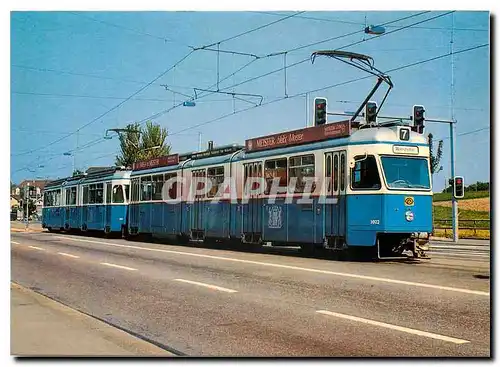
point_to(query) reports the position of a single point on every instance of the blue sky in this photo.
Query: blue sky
(68, 69)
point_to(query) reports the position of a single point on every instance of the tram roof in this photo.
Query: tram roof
(371, 135)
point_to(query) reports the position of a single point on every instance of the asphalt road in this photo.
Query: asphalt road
(208, 302)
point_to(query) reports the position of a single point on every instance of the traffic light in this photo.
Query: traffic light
(319, 111)
(418, 119)
(458, 187)
(371, 112)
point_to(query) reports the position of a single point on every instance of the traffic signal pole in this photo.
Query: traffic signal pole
(454, 206)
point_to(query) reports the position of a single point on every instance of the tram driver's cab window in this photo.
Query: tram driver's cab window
(365, 174)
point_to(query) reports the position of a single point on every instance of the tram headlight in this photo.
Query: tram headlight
(409, 216)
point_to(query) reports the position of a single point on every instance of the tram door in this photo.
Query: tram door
(108, 205)
(252, 211)
(335, 187)
(67, 212)
(198, 178)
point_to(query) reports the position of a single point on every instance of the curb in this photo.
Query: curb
(29, 230)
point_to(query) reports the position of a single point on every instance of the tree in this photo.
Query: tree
(77, 172)
(140, 143)
(435, 159)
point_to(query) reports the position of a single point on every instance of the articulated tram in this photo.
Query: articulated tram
(97, 201)
(337, 186)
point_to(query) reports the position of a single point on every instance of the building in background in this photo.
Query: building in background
(35, 193)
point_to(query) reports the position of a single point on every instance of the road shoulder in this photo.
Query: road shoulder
(41, 326)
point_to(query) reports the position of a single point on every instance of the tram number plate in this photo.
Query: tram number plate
(404, 134)
(409, 201)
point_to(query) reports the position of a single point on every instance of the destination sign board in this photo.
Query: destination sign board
(215, 152)
(167, 160)
(405, 149)
(307, 135)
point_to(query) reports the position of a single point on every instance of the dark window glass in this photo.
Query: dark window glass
(108, 192)
(303, 169)
(127, 192)
(118, 194)
(85, 194)
(276, 169)
(402, 172)
(365, 175)
(342, 172)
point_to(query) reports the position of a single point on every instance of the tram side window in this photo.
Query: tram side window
(146, 188)
(57, 201)
(71, 196)
(85, 194)
(118, 194)
(335, 173)
(198, 179)
(48, 198)
(216, 176)
(92, 194)
(108, 192)
(67, 193)
(72, 200)
(99, 193)
(276, 168)
(172, 186)
(127, 192)
(365, 175)
(302, 168)
(135, 190)
(342, 172)
(157, 187)
(328, 174)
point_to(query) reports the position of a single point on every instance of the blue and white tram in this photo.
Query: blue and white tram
(96, 201)
(371, 191)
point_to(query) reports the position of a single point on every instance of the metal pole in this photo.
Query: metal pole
(454, 207)
(199, 141)
(76, 151)
(27, 199)
(307, 109)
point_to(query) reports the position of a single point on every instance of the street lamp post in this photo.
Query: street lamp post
(26, 197)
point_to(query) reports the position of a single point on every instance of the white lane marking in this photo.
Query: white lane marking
(14, 242)
(461, 248)
(395, 327)
(118, 266)
(68, 255)
(207, 285)
(348, 275)
(37, 248)
(458, 254)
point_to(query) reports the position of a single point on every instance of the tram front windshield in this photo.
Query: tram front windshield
(406, 173)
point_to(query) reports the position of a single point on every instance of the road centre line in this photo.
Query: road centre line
(347, 275)
(37, 248)
(68, 255)
(222, 289)
(395, 327)
(14, 242)
(118, 266)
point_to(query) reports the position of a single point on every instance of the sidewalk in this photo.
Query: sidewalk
(43, 327)
(461, 241)
(18, 226)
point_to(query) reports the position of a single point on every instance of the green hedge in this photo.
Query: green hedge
(444, 213)
(446, 196)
